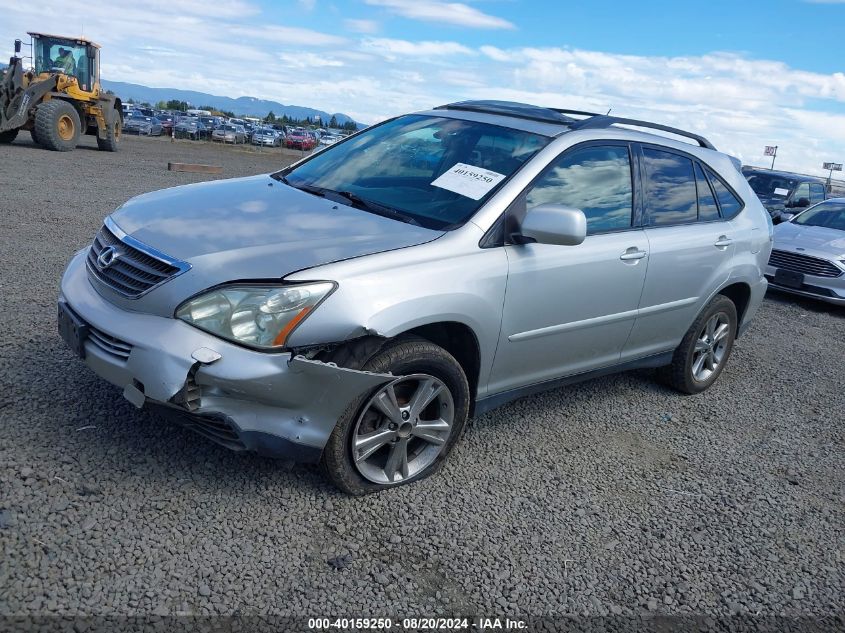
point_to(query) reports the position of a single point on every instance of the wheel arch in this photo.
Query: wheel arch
(461, 342)
(457, 338)
(740, 294)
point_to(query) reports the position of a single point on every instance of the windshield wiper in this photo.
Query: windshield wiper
(354, 199)
(375, 207)
(317, 191)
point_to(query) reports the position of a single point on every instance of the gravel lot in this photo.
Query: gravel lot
(615, 496)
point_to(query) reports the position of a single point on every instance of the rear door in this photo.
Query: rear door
(690, 248)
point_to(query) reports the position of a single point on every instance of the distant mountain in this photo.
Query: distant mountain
(247, 106)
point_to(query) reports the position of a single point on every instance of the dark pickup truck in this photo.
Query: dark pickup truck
(785, 192)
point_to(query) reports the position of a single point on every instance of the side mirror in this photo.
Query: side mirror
(783, 217)
(801, 202)
(17, 46)
(554, 224)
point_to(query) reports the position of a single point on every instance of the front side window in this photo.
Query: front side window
(595, 179)
(816, 192)
(670, 188)
(427, 170)
(56, 55)
(802, 192)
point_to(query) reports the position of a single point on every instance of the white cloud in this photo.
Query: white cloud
(455, 13)
(309, 60)
(361, 26)
(394, 48)
(287, 35)
(307, 5)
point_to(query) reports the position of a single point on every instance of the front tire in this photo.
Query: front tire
(112, 140)
(704, 351)
(403, 431)
(57, 125)
(8, 136)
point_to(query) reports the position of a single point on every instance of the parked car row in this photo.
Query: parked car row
(148, 122)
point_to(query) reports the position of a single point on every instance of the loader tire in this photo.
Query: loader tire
(34, 137)
(57, 125)
(112, 140)
(8, 136)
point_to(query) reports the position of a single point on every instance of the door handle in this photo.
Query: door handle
(723, 242)
(632, 253)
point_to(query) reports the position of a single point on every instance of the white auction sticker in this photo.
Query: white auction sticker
(781, 192)
(469, 181)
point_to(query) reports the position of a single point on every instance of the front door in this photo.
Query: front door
(569, 309)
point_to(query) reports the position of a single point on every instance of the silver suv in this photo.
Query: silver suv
(357, 307)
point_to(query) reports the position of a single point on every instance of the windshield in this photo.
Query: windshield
(429, 170)
(771, 184)
(830, 215)
(59, 55)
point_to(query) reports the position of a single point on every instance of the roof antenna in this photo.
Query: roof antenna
(608, 111)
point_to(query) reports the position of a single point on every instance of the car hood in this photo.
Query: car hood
(255, 228)
(812, 239)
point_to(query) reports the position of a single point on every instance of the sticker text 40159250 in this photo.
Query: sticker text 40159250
(468, 180)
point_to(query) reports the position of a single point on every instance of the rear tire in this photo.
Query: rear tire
(57, 125)
(704, 351)
(112, 140)
(420, 367)
(34, 137)
(8, 136)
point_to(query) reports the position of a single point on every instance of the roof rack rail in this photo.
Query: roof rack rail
(603, 120)
(581, 112)
(512, 109)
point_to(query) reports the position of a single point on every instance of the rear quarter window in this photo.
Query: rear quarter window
(729, 204)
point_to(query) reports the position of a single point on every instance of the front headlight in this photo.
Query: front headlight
(259, 316)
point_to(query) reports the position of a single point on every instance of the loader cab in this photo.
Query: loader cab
(48, 58)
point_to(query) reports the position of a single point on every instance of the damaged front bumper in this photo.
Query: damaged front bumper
(271, 403)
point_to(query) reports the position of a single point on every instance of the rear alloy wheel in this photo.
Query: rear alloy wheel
(403, 431)
(705, 349)
(57, 125)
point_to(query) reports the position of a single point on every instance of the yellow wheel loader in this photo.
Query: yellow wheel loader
(60, 97)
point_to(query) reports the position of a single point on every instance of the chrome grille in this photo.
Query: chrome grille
(803, 264)
(109, 344)
(134, 271)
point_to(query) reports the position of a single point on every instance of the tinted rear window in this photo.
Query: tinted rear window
(670, 188)
(707, 208)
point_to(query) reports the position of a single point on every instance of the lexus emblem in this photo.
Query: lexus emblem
(107, 257)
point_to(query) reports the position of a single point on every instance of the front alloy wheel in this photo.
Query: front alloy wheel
(402, 429)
